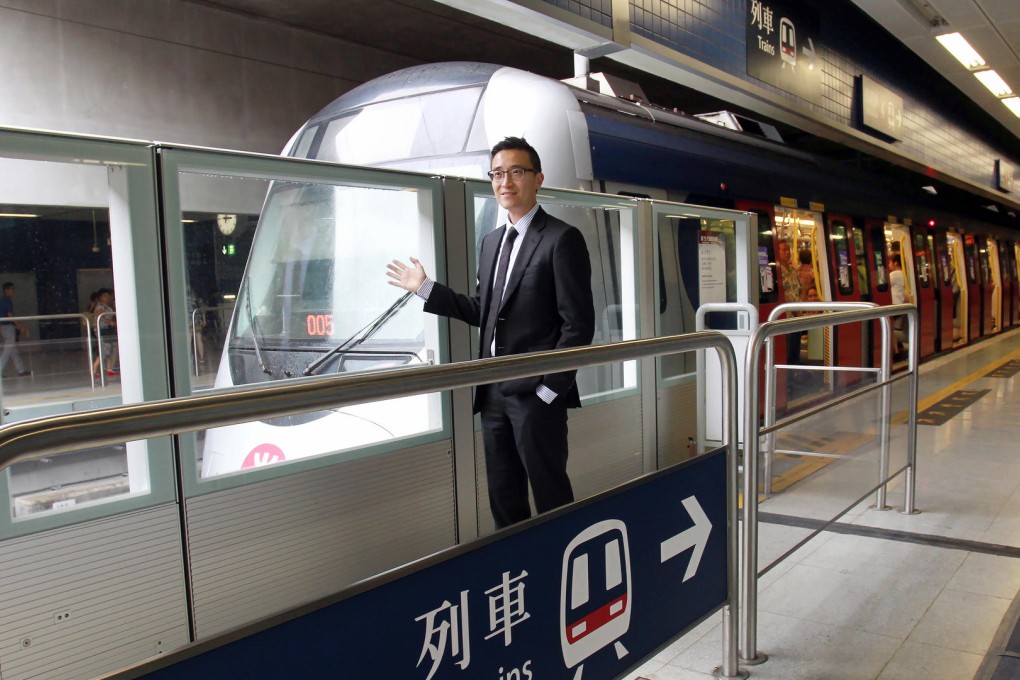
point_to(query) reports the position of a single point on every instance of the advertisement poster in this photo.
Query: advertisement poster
(712, 266)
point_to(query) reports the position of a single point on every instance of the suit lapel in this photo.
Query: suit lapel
(528, 248)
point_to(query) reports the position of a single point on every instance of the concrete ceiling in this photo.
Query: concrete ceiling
(992, 27)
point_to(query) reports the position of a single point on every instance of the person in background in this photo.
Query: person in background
(533, 293)
(106, 323)
(789, 274)
(9, 331)
(898, 290)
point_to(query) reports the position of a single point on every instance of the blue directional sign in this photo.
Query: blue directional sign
(585, 592)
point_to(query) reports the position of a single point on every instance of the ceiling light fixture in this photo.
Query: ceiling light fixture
(994, 82)
(18, 215)
(961, 49)
(1013, 104)
(930, 189)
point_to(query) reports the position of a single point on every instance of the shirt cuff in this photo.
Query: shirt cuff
(425, 289)
(545, 394)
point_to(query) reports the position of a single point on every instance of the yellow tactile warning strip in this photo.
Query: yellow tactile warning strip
(835, 444)
(940, 413)
(809, 466)
(1007, 370)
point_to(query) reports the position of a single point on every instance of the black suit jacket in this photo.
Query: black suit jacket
(547, 303)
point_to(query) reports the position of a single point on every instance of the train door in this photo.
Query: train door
(975, 290)
(942, 281)
(958, 287)
(878, 278)
(995, 273)
(902, 282)
(924, 297)
(1014, 271)
(847, 286)
(1013, 250)
(804, 277)
(988, 297)
(770, 288)
(1008, 284)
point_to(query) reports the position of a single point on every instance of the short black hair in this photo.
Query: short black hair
(8, 285)
(895, 257)
(518, 143)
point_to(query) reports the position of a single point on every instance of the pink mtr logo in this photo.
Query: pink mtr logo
(263, 454)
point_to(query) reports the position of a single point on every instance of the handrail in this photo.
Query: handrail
(82, 317)
(749, 527)
(770, 369)
(64, 433)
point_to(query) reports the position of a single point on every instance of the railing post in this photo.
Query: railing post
(912, 356)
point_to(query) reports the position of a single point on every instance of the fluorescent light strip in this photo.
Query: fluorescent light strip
(1013, 103)
(17, 215)
(961, 49)
(994, 82)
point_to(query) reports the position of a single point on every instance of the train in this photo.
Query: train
(836, 227)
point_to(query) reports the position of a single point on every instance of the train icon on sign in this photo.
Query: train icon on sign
(787, 42)
(595, 591)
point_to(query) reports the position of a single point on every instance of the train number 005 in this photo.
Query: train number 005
(319, 324)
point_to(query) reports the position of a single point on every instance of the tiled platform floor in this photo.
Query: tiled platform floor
(856, 607)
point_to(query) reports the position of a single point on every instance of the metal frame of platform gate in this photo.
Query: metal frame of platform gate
(761, 340)
(66, 433)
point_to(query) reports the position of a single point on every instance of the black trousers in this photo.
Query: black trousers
(525, 441)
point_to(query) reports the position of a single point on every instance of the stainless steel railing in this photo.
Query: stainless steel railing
(60, 434)
(52, 317)
(749, 529)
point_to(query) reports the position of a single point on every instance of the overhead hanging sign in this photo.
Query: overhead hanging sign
(879, 109)
(782, 47)
(1003, 176)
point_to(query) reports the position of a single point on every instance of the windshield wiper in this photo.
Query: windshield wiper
(253, 323)
(361, 336)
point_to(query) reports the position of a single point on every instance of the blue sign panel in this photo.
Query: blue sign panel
(588, 591)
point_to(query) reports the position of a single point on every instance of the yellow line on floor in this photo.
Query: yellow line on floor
(936, 397)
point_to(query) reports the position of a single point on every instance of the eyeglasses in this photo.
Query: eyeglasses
(516, 174)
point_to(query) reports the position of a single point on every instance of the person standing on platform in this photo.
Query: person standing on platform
(9, 331)
(533, 294)
(898, 291)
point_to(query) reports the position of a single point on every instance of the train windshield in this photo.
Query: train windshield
(434, 127)
(313, 280)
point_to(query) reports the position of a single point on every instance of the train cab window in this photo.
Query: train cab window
(922, 260)
(310, 304)
(937, 259)
(303, 145)
(433, 124)
(841, 246)
(862, 263)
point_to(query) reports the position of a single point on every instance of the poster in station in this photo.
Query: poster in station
(712, 267)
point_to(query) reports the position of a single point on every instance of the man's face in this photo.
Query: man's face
(516, 196)
(784, 252)
(9, 292)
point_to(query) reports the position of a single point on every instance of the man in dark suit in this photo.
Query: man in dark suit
(533, 293)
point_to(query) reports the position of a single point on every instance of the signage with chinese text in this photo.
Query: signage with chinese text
(782, 47)
(589, 591)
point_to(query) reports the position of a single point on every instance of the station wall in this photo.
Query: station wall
(170, 70)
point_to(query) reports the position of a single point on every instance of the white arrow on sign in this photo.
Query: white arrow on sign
(696, 537)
